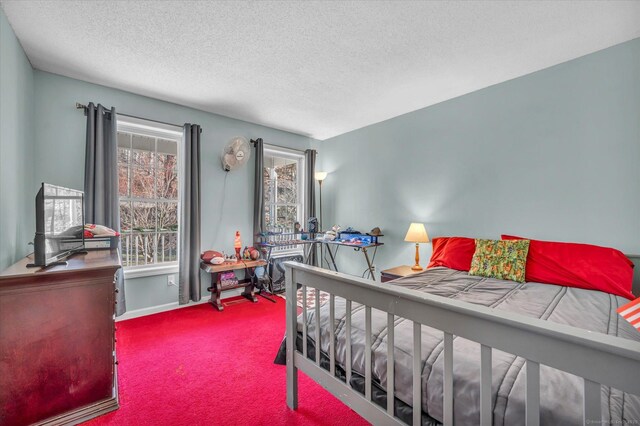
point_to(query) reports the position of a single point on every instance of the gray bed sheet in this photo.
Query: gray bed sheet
(560, 392)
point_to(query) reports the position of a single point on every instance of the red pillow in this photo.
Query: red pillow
(453, 252)
(579, 265)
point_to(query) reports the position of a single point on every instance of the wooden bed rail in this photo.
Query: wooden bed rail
(597, 358)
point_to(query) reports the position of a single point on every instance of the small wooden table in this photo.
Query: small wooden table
(248, 283)
(397, 272)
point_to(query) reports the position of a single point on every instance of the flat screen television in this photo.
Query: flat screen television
(59, 224)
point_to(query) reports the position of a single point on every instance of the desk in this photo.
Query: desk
(311, 243)
(248, 283)
(356, 247)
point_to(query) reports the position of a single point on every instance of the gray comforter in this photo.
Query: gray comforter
(560, 393)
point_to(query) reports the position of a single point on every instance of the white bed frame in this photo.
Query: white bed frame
(598, 358)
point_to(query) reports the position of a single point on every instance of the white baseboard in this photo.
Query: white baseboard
(173, 305)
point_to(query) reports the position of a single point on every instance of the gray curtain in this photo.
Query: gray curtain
(310, 201)
(189, 245)
(258, 192)
(101, 204)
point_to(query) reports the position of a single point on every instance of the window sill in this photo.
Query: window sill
(149, 271)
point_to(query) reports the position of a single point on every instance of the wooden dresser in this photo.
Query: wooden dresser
(57, 340)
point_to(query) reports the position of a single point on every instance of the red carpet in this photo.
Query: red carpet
(198, 366)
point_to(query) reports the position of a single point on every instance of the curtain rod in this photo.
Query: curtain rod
(84, 107)
(253, 142)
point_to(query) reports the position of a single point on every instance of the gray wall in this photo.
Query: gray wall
(17, 219)
(551, 155)
(59, 159)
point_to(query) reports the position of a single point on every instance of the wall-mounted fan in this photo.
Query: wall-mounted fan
(235, 154)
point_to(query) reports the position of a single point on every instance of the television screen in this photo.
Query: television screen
(59, 223)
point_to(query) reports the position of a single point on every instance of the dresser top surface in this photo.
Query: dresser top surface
(92, 260)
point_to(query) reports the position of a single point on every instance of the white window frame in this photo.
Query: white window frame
(298, 156)
(156, 130)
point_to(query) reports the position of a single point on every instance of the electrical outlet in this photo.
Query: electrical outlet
(171, 280)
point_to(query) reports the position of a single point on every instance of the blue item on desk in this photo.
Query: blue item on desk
(364, 239)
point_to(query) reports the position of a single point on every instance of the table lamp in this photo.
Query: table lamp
(417, 234)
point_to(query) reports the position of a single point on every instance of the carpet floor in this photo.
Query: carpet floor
(197, 366)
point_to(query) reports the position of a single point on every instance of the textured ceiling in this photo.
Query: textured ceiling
(313, 68)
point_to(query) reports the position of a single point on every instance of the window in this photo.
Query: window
(284, 182)
(148, 190)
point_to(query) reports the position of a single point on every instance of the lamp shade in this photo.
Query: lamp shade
(320, 176)
(417, 234)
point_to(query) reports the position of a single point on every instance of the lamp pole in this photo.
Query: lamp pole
(320, 176)
(320, 223)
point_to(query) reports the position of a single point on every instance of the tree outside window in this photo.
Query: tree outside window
(148, 189)
(283, 178)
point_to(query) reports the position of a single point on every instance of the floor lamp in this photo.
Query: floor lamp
(320, 176)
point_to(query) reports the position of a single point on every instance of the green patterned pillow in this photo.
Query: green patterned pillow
(502, 259)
